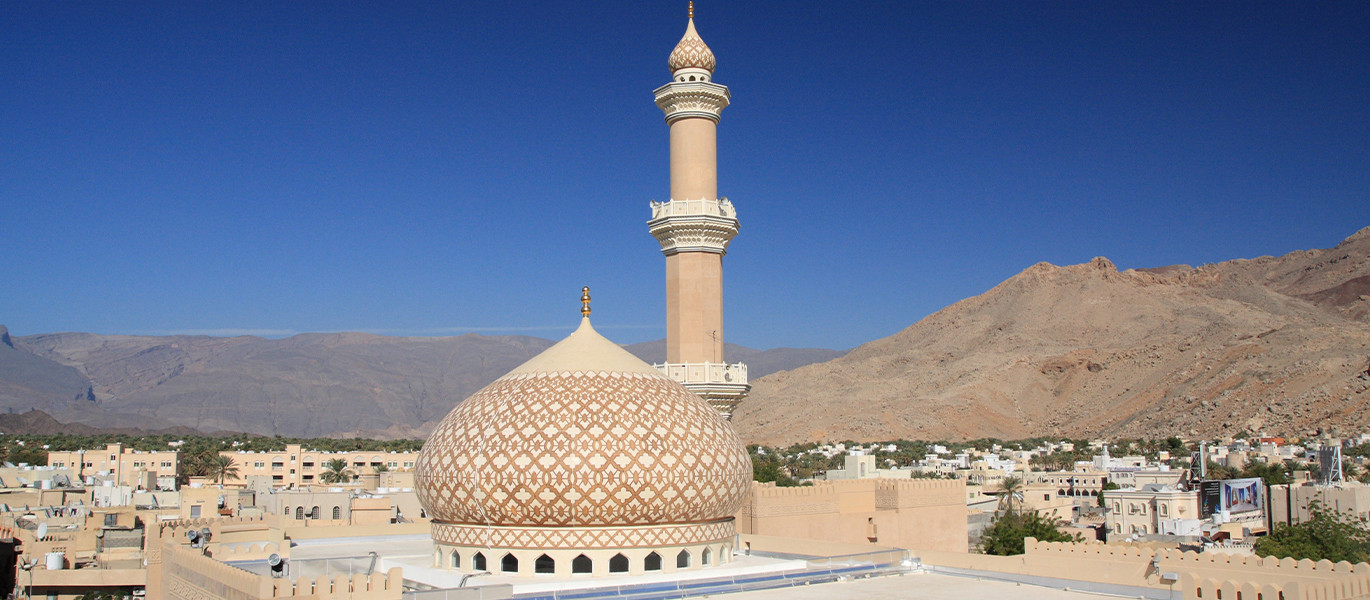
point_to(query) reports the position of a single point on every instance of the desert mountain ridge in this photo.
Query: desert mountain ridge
(307, 385)
(1280, 344)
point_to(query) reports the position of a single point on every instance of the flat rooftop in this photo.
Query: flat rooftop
(414, 554)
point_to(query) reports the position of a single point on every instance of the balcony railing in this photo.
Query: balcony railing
(720, 207)
(705, 372)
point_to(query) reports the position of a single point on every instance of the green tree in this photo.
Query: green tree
(220, 467)
(381, 468)
(1328, 534)
(336, 471)
(764, 471)
(1010, 493)
(1006, 535)
(1108, 485)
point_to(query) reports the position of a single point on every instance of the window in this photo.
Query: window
(314, 513)
(682, 560)
(456, 558)
(277, 465)
(337, 514)
(259, 464)
(478, 561)
(509, 564)
(706, 556)
(618, 564)
(652, 562)
(544, 564)
(299, 512)
(582, 564)
(1165, 510)
(195, 511)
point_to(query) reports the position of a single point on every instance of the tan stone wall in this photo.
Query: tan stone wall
(694, 307)
(1200, 575)
(914, 514)
(694, 159)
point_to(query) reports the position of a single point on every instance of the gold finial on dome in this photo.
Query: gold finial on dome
(692, 9)
(585, 302)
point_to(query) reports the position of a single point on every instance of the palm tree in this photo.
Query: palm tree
(221, 467)
(335, 471)
(1011, 491)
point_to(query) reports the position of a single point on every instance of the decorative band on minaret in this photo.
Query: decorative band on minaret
(694, 228)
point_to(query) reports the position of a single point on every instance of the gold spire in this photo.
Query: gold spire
(692, 9)
(585, 302)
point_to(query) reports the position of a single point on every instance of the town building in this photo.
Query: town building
(297, 466)
(156, 469)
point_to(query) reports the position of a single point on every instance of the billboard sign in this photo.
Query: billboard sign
(1232, 495)
(1210, 498)
(1242, 495)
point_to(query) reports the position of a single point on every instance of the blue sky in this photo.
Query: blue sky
(438, 168)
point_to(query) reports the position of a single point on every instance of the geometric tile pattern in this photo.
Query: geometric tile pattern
(588, 538)
(576, 449)
(691, 52)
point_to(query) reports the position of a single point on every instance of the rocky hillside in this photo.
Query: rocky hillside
(1280, 344)
(305, 385)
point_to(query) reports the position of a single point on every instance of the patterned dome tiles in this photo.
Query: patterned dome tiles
(582, 449)
(691, 52)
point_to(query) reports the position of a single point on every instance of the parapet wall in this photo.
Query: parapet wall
(1200, 576)
(188, 575)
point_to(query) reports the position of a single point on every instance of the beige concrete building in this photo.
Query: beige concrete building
(122, 465)
(296, 466)
(694, 228)
(863, 466)
(1140, 511)
(1289, 504)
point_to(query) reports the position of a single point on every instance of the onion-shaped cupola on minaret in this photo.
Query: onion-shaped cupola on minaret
(694, 228)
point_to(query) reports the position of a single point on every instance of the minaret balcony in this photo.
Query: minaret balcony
(719, 207)
(693, 225)
(705, 373)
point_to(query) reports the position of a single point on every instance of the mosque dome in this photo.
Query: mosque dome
(583, 435)
(691, 52)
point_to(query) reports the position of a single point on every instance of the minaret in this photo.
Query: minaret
(694, 228)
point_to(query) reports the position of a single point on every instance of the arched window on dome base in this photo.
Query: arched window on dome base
(509, 564)
(478, 561)
(652, 562)
(456, 560)
(706, 558)
(682, 560)
(618, 564)
(582, 564)
(545, 564)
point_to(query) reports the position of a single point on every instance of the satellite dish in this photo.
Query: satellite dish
(277, 565)
(42, 530)
(193, 536)
(274, 559)
(205, 533)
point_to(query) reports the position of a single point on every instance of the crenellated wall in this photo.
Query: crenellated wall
(1200, 576)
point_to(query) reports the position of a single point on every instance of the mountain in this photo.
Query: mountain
(1280, 344)
(28, 381)
(334, 384)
